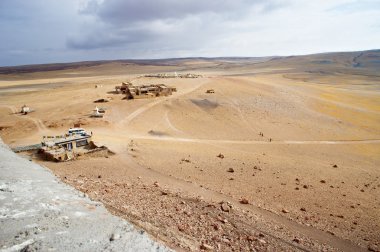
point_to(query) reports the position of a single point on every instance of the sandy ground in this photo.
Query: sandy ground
(301, 148)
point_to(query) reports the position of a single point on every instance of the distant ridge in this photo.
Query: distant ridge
(373, 55)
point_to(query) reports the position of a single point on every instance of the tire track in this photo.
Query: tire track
(253, 142)
(39, 124)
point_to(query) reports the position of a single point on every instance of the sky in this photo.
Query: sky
(48, 31)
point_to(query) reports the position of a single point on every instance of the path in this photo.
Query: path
(116, 137)
(39, 124)
(251, 142)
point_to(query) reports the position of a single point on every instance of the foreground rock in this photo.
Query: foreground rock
(39, 213)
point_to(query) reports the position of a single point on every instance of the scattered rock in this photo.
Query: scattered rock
(156, 184)
(305, 186)
(244, 201)
(181, 228)
(373, 247)
(296, 240)
(221, 219)
(114, 237)
(216, 226)
(188, 213)
(164, 193)
(205, 246)
(225, 207)
(251, 238)
(28, 248)
(303, 209)
(100, 176)
(335, 166)
(262, 241)
(231, 170)
(225, 240)
(284, 210)
(323, 181)
(220, 156)
(331, 233)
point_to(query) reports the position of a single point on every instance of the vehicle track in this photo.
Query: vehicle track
(39, 124)
(253, 142)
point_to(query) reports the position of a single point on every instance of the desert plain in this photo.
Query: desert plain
(283, 156)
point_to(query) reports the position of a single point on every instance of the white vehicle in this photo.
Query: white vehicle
(97, 113)
(77, 131)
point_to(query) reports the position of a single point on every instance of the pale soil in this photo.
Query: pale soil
(309, 124)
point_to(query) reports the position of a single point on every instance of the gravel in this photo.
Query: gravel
(38, 212)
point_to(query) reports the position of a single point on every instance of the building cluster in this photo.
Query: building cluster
(175, 75)
(144, 91)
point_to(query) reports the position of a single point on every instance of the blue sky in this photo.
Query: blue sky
(46, 31)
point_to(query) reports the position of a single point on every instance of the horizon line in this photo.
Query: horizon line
(182, 58)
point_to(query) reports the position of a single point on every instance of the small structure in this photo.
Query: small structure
(98, 113)
(25, 110)
(76, 130)
(69, 146)
(144, 91)
(62, 148)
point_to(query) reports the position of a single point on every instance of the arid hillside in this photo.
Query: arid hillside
(257, 154)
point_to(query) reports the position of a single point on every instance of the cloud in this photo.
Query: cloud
(40, 31)
(116, 11)
(127, 22)
(103, 38)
